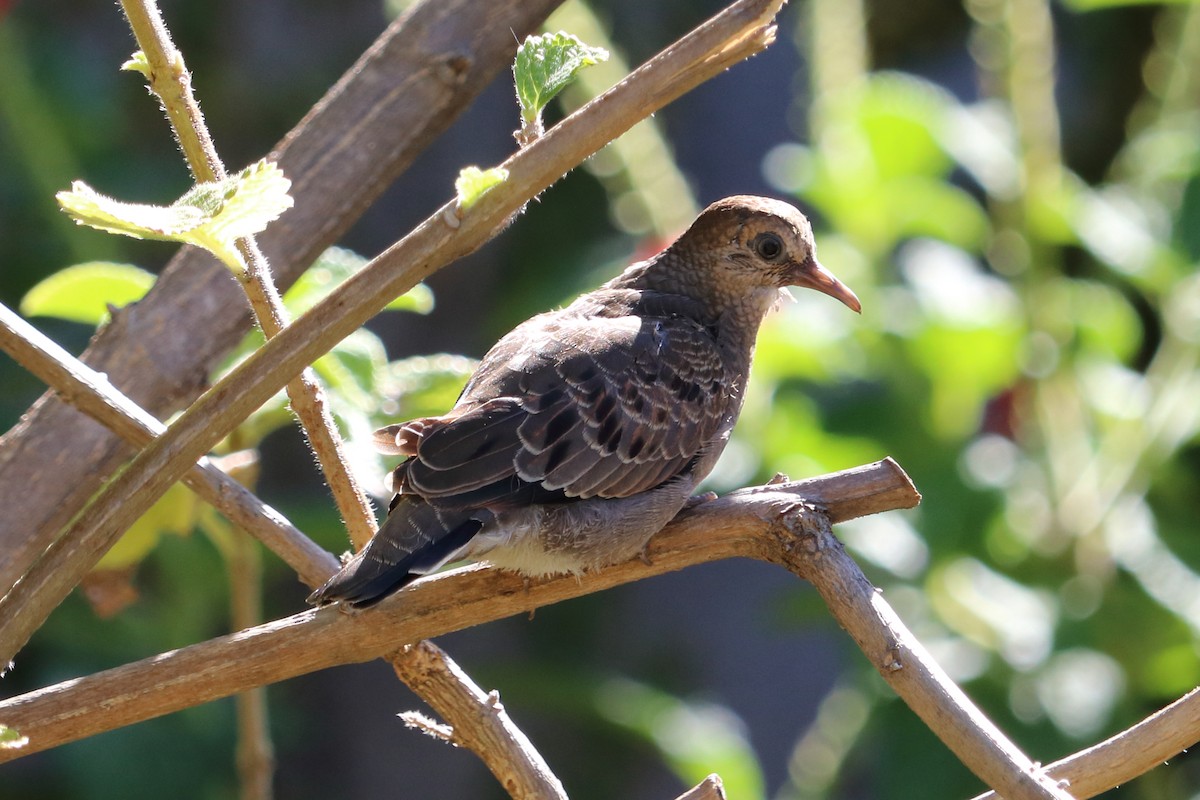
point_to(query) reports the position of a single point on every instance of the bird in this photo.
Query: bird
(585, 430)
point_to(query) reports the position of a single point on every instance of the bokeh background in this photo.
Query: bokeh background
(1011, 188)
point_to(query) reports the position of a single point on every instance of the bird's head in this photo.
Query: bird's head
(747, 245)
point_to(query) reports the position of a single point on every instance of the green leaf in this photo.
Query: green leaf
(473, 183)
(138, 63)
(11, 738)
(901, 116)
(84, 292)
(418, 299)
(210, 215)
(333, 267)
(695, 738)
(1097, 5)
(427, 385)
(351, 369)
(175, 512)
(547, 63)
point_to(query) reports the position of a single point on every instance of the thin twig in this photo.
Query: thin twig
(735, 526)
(172, 83)
(1132, 752)
(479, 722)
(92, 394)
(738, 32)
(711, 788)
(255, 752)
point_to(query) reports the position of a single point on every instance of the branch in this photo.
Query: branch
(405, 90)
(741, 30)
(808, 548)
(91, 393)
(479, 722)
(1133, 752)
(172, 83)
(739, 525)
(711, 788)
(438, 681)
(431, 675)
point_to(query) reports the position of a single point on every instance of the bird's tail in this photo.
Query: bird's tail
(416, 539)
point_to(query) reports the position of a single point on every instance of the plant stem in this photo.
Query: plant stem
(172, 83)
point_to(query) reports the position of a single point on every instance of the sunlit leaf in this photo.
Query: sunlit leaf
(695, 738)
(334, 266)
(901, 116)
(926, 207)
(1104, 318)
(967, 367)
(995, 611)
(427, 385)
(174, 512)
(11, 738)
(84, 292)
(1097, 5)
(209, 215)
(138, 63)
(545, 64)
(472, 183)
(350, 370)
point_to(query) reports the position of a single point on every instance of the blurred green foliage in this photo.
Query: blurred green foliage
(1028, 352)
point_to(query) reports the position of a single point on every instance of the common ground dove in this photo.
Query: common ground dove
(585, 430)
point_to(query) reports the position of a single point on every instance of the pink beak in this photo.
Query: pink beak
(811, 275)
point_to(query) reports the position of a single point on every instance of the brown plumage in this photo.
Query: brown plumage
(585, 430)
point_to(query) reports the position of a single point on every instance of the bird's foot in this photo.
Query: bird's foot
(699, 499)
(778, 479)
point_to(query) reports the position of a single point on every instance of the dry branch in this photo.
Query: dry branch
(91, 393)
(808, 548)
(711, 788)
(411, 84)
(428, 671)
(736, 33)
(742, 524)
(478, 722)
(1132, 752)
(424, 668)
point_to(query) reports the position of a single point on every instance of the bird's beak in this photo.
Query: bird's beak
(811, 275)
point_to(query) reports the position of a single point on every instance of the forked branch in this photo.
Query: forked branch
(736, 33)
(741, 524)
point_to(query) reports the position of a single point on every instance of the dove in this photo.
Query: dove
(584, 430)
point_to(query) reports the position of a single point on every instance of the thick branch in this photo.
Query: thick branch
(90, 392)
(402, 94)
(1132, 752)
(427, 671)
(738, 525)
(739, 31)
(478, 722)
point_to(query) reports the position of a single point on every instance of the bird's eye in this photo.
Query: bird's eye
(768, 246)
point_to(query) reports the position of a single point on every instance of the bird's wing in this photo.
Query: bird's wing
(586, 406)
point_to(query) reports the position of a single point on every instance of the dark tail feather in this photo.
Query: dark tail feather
(415, 540)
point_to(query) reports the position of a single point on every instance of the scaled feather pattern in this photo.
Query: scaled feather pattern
(585, 430)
